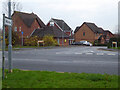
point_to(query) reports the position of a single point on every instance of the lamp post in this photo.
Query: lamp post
(10, 39)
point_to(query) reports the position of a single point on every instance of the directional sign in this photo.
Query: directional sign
(8, 22)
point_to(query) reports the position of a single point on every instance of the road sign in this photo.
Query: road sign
(22, 33)
(8, 21)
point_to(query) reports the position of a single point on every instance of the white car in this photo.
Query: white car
(86, 43)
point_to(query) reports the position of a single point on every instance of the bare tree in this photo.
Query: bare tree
(15, 6)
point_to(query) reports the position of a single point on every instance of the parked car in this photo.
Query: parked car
(77, 43)
(82, 43)
(86, 43)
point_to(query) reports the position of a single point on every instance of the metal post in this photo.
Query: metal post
(63, 34)
(10, 39)
(116, 44)
(3, 46)
(22, 38)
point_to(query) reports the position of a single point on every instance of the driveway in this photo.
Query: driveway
(76, 59)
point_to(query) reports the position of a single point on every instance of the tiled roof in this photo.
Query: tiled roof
(62, 25)
(49, 30)
(107, 31)
(92, 26)
(28, 19)
(77, 28)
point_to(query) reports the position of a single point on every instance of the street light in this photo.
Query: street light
(10, 39)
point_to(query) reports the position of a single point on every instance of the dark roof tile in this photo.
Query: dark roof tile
(49, 30)
(28, 19)
(60, 23)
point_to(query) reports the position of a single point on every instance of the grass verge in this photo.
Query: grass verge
(46, 79)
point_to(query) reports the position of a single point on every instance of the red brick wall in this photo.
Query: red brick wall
(34, 26)
(17, 22)
(65, 43)
(89, 34)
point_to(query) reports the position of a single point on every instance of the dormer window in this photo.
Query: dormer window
(52, 23)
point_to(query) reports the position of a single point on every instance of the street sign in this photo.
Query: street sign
(22, 33)
(8, 21)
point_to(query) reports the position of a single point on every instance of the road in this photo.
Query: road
(70, 59)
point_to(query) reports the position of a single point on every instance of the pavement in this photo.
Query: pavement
(76, 59)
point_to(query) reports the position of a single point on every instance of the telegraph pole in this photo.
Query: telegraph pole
(10, 39)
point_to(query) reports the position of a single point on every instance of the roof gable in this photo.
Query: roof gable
(63, 25)
(92, 26)
(28, 19)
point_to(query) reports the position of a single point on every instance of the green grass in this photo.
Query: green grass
(45, 79)
(115, 48)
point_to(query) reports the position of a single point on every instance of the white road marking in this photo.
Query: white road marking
(78, 53)
(110, 54)
(19, 59)
(95, 62)
(89, 53)
(68, 53)
(58, 53)
(100, 53)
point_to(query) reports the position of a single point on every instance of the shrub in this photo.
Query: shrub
(114, 39)
(32, 41)
(97, 43)
(49, 41)
(15, 38)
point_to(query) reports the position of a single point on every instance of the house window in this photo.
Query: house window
(83, 33)
(51, 23)
(15, 29)
(19, 29)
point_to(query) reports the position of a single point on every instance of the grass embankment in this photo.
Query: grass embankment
(45, 79)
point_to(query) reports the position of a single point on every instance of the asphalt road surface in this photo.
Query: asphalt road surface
(77, 59)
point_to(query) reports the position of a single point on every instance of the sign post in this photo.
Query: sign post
(3, 46)
(22, 38)
(6, 22)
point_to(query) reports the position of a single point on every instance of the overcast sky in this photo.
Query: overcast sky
(104, 13)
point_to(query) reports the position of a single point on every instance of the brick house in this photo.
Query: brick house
(58, 35)
(90, 32)
(108, 35)
(62, 25)
(26, 23)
